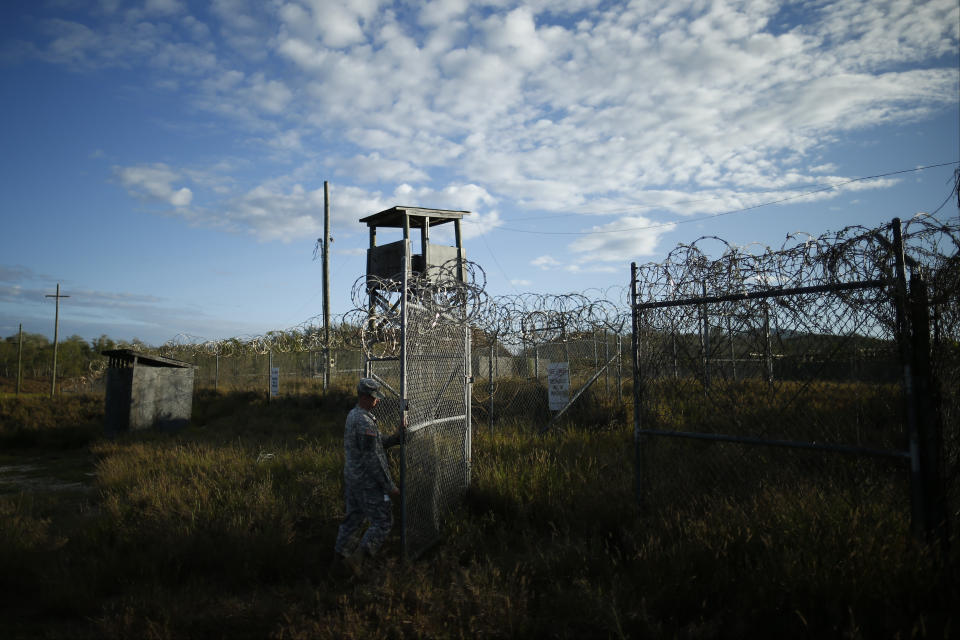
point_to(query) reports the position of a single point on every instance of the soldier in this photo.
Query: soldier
(368, 487)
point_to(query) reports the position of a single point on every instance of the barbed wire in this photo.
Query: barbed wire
(457, 290)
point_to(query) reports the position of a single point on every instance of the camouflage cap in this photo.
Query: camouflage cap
(370, 387)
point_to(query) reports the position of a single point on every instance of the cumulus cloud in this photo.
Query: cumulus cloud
(619, 240)
(374, 167)
(664, 106)
(154, 182)
(545, 262)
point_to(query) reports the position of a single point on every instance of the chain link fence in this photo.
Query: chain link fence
(417, 344)
(513, 388)
(789, 373)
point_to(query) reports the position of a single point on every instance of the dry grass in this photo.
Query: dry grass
(226, 530)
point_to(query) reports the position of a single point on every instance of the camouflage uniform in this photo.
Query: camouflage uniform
(366, 481)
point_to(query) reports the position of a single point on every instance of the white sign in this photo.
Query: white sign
(558, 384)
(274, 382)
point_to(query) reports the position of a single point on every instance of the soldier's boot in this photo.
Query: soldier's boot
(356, 560)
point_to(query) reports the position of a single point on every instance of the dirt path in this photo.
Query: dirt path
(49, 473)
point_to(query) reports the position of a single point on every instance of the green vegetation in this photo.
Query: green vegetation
(75, 356)
(225, 529)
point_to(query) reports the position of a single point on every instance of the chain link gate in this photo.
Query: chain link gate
(788, 374)
(428, 385)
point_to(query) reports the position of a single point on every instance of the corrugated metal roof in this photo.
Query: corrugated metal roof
(129, 356)
(393, 217)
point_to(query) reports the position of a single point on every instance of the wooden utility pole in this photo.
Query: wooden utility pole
(326, 285)
(19, 356)
(56, 339)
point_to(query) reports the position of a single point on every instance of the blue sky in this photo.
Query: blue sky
(164, 160)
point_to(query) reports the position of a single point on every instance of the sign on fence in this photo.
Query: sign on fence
(558, 384)
(274, 382)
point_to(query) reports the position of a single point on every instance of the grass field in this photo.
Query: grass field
(226, 529)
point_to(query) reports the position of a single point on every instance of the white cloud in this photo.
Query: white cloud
(154, 182)
(620, 240)
(374, 167)
(545, 262)
(578, 106)
(272, 96)
(270, 211)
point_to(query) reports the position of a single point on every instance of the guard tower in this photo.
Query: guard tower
(386, 261)
(417, 345)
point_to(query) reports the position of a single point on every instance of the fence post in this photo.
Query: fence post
(928, 414)
(705, 341)
(467, 403)
(918, 507)
(635, 356)
(606, 358)
(620, 366)
(733, 353)
(767, 347)
(673, 342)
(404, 284)
(490, 381)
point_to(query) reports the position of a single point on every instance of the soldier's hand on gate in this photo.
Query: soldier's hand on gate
(395, 493)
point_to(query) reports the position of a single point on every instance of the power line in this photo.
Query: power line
(497, 262)
(661, 225)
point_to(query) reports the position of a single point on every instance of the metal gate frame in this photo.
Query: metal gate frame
(412, 539)
(928, 517)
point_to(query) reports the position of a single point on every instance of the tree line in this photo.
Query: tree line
(75, 355)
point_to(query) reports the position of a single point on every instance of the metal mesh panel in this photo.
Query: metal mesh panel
(511, 388)
(945, 356)
(793, 394)
(771, 384)
(436, 455)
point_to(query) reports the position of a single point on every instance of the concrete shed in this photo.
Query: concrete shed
(147, 392)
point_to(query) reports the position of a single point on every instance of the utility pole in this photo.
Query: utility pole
(19, 357)
(56, 339)
(326, 285)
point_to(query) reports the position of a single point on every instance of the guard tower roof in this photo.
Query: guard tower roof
(393, 217)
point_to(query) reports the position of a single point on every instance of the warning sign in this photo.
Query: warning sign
(274, 382)
(558, 384)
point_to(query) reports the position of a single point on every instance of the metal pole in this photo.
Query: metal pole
(216, 373)
(620, 367)
(635, 356)
(326, 285)
(490, 380)
(767, 347)
(403, 387)
(19, 357)
(917, 497)
(733, 355)
(467, 403)
(673, 342)
(705, 341)
(928, 424)
(606, 358)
